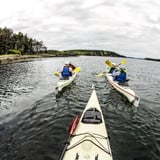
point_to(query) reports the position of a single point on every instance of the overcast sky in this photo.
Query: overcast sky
(128, 27)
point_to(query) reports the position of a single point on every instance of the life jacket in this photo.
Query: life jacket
(111, 70)
(121, 78)
(66, 72)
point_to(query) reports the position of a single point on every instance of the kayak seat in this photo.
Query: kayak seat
(123, 84)
(64, 78)
(92, 116)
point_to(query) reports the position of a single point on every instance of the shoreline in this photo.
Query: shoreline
(8, 59)
(15, 58)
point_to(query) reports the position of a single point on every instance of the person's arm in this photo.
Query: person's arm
(70, 69)
(73, 67)
(115, 73)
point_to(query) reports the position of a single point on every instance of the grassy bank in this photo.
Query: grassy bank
(13, 58)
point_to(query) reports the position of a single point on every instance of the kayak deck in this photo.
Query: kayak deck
(64, 82)
(90, 139)
(124, 89)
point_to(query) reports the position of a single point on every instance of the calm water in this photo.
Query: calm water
(34, 121)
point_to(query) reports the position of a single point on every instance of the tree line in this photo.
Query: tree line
(12, 43)
(86, 52)
(20, 43)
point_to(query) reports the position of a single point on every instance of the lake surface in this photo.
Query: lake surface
(34, 121)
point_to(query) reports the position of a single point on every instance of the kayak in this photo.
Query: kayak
(65, 82)
(124, 89)
(88, 138)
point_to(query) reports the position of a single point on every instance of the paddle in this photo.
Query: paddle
(77, 69)
(109, 63)
(124, 61)
(56, 73)
(71, 132)
(100, 74)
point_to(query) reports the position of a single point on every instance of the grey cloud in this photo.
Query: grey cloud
(124, 26)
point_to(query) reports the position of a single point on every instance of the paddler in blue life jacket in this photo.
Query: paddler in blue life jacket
(120, 75)
(67, 71)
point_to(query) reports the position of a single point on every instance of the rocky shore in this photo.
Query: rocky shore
(5, 59)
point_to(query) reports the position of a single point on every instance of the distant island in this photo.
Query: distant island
(152, 59)
(81, 52)
(15, 57)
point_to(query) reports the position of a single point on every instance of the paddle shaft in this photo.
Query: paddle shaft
(65, 148)
(71, 131)
(109, 63)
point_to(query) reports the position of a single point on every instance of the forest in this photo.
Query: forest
(19, 43)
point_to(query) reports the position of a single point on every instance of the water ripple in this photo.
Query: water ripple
(35, 121)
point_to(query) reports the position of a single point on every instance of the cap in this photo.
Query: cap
(66, 62)
(113, 64)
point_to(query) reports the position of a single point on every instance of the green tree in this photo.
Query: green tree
(12, 41)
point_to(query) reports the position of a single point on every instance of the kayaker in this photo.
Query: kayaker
(67, 70)
(72, 67)
(120, 75)
(112, 68)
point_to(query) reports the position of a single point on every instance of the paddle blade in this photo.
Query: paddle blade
(124, 61)
(56, 73)
(108, 62)
(73, 125)
(77, 69)
(100, 75)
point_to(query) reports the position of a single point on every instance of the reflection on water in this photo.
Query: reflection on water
(34, 121)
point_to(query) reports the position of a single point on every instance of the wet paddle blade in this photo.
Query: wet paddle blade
(108, 62)
(100, 75)
(56, 73)
(77, 69)
(124, 61)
